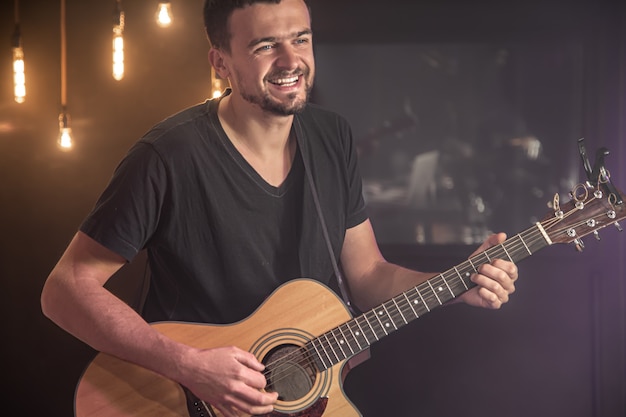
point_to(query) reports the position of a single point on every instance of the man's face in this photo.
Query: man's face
(271, 60)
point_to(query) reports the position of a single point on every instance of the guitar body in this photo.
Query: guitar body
(294, 314)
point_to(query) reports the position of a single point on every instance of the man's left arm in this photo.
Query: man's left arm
(372, 280)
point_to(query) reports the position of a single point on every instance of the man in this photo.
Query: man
(222, 197)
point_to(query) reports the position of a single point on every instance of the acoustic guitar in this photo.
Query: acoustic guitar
(308, 339)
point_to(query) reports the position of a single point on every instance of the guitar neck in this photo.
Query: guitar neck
(360, 333)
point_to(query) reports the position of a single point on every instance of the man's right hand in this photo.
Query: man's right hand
(230, 379)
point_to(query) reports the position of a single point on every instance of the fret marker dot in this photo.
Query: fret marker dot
(467, 274)
(358, 333)
(380, 313)
(387, 325)
(440, 289)
(416, 302)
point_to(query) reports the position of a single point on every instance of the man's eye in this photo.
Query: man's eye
(265, 48)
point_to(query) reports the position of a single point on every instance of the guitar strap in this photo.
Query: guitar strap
(340, 281)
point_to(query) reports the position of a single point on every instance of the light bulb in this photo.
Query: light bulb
(118, 42)
(19, 77)
(118, 53)
(65, 141)
(218, 87)
(164, 14)
(218, 84)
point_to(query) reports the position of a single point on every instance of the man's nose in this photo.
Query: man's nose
(288, 58)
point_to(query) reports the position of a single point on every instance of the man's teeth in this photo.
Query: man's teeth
(285, 81)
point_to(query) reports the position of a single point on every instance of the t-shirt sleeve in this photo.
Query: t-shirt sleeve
(356, 213)
(126, 214)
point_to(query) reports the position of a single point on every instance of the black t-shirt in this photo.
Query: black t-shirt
(219, 238)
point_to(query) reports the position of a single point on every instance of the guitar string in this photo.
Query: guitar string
(304, 357)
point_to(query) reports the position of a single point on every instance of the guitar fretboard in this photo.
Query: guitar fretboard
(358, 334)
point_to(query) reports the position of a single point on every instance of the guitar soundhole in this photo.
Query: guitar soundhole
(289, 372)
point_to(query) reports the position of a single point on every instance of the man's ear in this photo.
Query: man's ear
(216, 58)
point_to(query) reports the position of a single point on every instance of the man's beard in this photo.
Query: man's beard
(289, 107)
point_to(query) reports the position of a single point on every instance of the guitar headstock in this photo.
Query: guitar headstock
(591, 208)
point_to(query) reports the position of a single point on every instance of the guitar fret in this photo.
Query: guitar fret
(321, 344)
(433, 290)
(362, 332)
(400, 311)
(423, 301)
(410, 305)
(371, 331)
(524, 243)
(449, 289)
(319, 356)
(382, 326)
(460, 277)
(455, 283)
(507, 253)
(376, 325)
(340, 342)
(354, 336)
(390, 318)
(330, 345)
(473, 266)
(346, 340)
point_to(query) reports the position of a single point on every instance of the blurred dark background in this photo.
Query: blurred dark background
(557, 349)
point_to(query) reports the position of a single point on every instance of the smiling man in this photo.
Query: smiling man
(274, 72)
(227, 197)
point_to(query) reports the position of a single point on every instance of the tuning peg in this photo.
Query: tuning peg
(618, 226)
(579, 244)
(596, 235)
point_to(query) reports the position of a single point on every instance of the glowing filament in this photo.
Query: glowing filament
(65, 140)
(118, 53)
(19, 77)
(164, 14)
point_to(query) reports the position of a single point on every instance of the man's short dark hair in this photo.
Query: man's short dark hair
(216, 15)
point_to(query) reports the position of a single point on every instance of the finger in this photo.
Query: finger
(251, 372)
(491, 280)
(509, 268)
(489, 299)
(503, 272)
(257, 403)
(492, 240)
(249, 360)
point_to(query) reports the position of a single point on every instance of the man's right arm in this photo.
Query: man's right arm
(75, 299)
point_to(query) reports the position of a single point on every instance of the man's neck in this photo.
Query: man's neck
(263, 139)
(247, 124)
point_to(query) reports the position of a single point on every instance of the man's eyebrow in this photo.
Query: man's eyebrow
(272, 39)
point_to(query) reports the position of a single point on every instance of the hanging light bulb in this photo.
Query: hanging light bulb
(19, 77)
(118, 43)
(164, 14)
(65, 141)
(218, 84)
